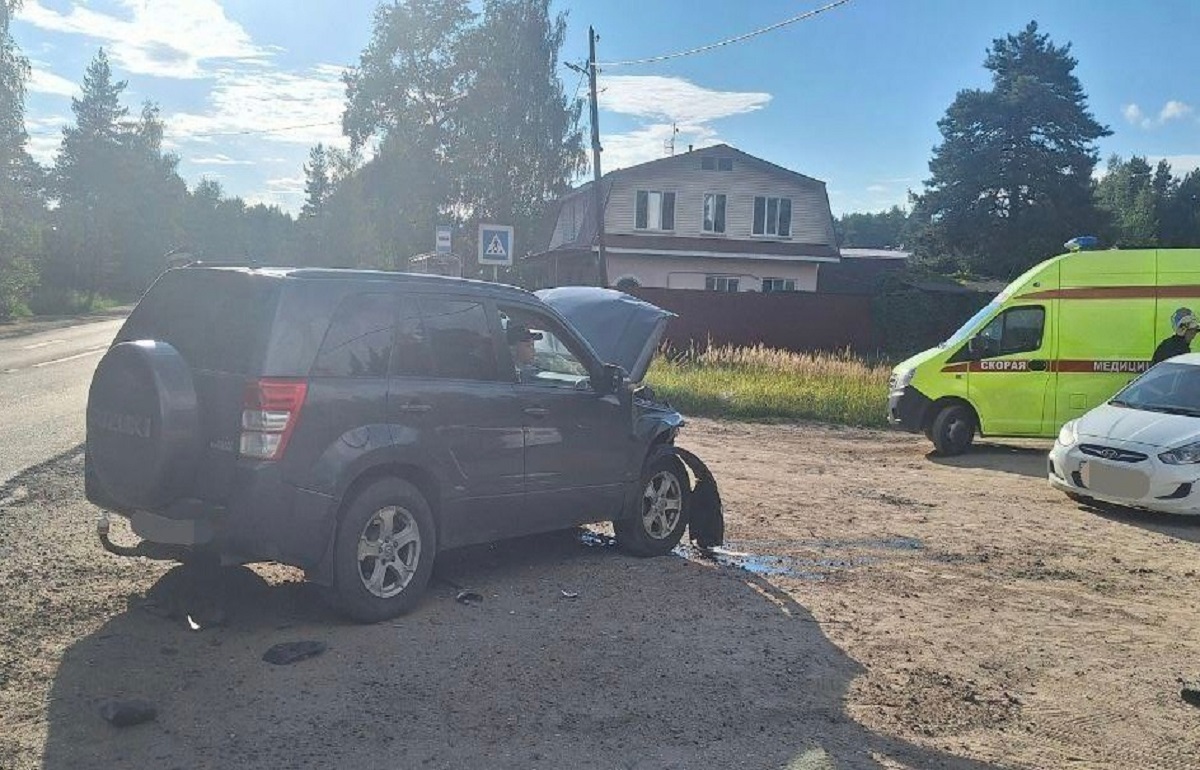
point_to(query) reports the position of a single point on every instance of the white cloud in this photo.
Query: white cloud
(165, 38)
(666, 103)
(675, 99)
(877, 188)
(45, 136)
(1181, 165)
(45, 82)
(649, 142)
(294, 108)
(220, 159)
(1172, 110)
(285, 192)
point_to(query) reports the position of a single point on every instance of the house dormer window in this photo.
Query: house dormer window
(773, 216)
(655, 210)
(712, 163)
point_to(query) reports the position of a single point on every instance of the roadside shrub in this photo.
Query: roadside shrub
(757, 383)
(18, 276)
(56, 300)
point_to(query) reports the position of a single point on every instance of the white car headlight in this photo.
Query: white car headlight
(1068, 434)
(1184, 455)
(900, 381)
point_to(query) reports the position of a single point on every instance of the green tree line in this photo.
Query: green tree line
(1014, 177)
(453, 116)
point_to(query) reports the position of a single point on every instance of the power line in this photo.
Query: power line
(728, 41)
(253, 131)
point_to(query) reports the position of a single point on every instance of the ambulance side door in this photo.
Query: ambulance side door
(1012, 372)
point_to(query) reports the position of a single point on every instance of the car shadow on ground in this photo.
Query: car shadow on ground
(567, 655)
(1025, 460)
(1173, 525)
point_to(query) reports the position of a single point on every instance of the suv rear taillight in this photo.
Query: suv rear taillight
(269, 415)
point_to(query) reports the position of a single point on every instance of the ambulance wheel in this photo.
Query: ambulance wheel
(953, 430)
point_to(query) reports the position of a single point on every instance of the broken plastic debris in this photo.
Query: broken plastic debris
(468, 597)
(570, 594)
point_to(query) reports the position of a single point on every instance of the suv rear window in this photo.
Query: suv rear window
(218, 320)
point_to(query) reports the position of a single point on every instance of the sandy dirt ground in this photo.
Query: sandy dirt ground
(876, 608)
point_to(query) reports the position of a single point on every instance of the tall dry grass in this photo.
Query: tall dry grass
(763, 383)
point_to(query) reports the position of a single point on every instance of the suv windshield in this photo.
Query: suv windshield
(1169, 388)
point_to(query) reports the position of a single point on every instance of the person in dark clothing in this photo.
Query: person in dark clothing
(1185, 325)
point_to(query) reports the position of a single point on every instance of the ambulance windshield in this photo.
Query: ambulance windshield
(965, 330)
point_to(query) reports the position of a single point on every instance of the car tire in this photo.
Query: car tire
(661, 517)
(384, 553)
(953, 430)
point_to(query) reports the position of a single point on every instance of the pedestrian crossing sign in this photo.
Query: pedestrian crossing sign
(495, 245)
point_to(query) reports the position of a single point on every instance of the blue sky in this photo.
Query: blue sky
(851, 96)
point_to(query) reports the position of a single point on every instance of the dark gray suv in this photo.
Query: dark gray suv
(356, 423)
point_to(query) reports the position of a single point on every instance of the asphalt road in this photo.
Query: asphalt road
(44, 380)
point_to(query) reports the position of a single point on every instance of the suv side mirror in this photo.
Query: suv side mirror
(611, 381)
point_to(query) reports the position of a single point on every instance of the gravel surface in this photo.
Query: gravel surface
(875, 608)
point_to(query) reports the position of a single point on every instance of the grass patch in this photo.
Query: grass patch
(760, 383)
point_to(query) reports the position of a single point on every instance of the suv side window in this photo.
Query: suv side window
(1017, 330)
(411, 356)
(459, 339)
(540, 351)
(359, 340)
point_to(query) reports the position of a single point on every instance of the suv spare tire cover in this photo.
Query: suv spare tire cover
(143, 424)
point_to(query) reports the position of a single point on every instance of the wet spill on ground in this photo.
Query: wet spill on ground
(756, 557)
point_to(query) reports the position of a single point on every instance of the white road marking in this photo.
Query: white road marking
(91, 352)
(37, 345)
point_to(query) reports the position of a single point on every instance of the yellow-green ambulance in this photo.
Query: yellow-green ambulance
(1059, 340)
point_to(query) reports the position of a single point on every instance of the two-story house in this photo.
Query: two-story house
(714, 218)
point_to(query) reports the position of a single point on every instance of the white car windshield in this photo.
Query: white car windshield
(1169, 388)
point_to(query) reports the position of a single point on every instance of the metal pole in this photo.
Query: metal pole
(598, 195)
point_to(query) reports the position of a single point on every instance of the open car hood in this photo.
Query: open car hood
(623, 330)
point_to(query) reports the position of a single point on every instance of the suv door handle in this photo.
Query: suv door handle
(415, 407)
(536, 411)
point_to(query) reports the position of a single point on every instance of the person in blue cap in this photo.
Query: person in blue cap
(1185, 325)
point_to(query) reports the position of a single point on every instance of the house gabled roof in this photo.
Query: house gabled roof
(586, 233)
(721, 150)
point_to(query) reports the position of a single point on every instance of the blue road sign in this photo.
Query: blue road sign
(495, 245)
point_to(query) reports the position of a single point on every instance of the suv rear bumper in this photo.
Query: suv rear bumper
(265, 519)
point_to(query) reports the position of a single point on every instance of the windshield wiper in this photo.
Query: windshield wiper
(1181, 411)
(1118, 402)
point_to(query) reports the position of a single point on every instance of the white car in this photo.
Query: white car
(1142, 448)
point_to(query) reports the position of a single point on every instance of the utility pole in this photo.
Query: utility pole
(597, 193)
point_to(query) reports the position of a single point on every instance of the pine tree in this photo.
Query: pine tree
(1012, 179)
(21, 206)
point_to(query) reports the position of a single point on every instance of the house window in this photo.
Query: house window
(773, 216)
(779, 284)
(655, 210)
(714, 213)
(720, 283)
(716, 164)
